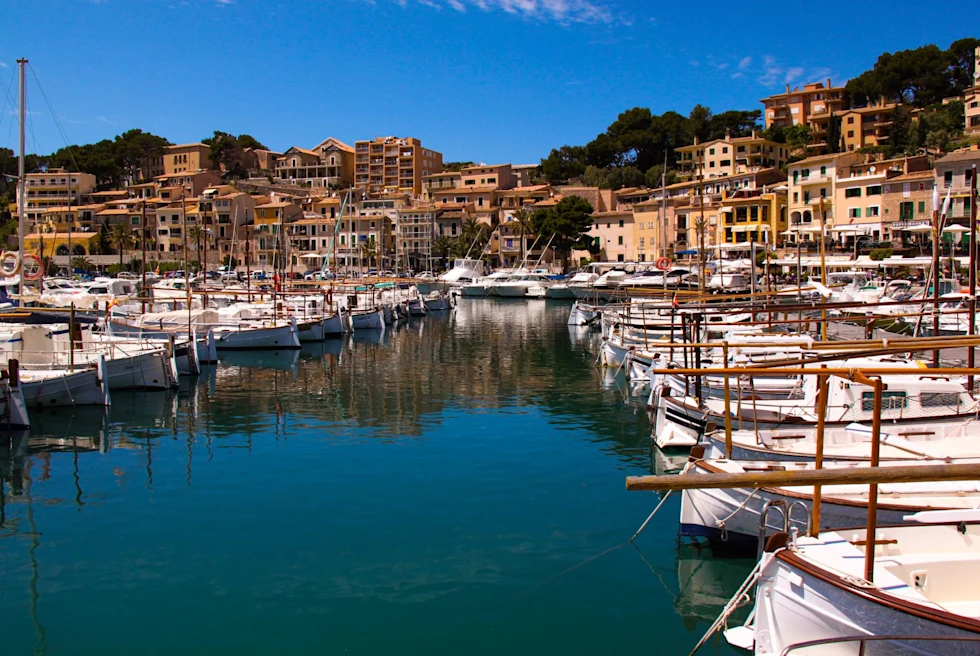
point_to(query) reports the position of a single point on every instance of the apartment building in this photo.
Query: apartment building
(55, 188)
(441, 181)
(498, 176)
(612, 236)
(866, 127)
(954, 175)
(859, 189)
(813, 105)
(187, 158)
(971, 100)
(729, 156)
(267, 239)
(752, 216)
(906, 202)
(393, 164)
(192, 182)
(329, 164)
(811, 186)
(415, 231)
(659, 229)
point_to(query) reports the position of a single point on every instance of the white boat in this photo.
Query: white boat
(436, 301)
(565, 290)
(731, 515)
(367, 320)
(481, 287)
(907, 399)
(464, 272)
(582, 314)
(416, 307)
(539, 292)
(13, 409)
(601, 288)
(923, 598)
(336, 324)
(517, 286)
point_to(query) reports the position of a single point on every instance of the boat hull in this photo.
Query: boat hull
(272, 337)
(70, 389)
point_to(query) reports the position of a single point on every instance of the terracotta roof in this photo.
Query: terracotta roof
(112, 212)
(915, 175)
(518, 191)
(960, 156)
(476, 167)
(188, 145)
(443, 174)
(301, 150)
(465, 190)
(270, 205)
(118, 192)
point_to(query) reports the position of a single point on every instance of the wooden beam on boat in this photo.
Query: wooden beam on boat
(768, 479)
(833, 371)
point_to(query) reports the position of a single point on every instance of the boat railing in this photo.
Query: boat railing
(51, 360)
(861, 642)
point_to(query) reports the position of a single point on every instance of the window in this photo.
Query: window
(726, 162)
(620, 242)
(796, 176)
(922, 207)
(874, 190)
(872, 210)
(852, 193)
(850, 120)
(711, 151)
(948, 179)
(806, 196)
(806, 173)
(850, 134)
(854, 212)
(889, 401)
(724, 150)
(823, 170)
(796, 196)
(940, 399)
(621, 223)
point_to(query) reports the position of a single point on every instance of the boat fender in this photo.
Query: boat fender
(710, 427)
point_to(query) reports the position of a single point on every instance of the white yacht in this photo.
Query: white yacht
(481, 286)
(464, 272)
(517, 286)
(565, 290)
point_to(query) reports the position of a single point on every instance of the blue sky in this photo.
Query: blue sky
(482, 80)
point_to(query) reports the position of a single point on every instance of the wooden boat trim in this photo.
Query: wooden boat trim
(792, 494)
(876, 595)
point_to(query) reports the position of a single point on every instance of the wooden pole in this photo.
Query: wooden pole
(728, 406)
(823, 389)
(770, 479)
(972, 329)
(935, 280)
(834, 371)
(869, 548)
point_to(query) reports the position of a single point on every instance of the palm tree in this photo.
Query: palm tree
(442, 246)
(522, 229)
(82, 263)
(195, 232)
(369, 250)
(121, 238)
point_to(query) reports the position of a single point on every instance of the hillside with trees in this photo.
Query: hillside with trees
(635, 147)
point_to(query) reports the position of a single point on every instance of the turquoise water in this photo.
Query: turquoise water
(453, 487)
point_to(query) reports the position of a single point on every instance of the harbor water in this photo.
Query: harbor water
(454, 486)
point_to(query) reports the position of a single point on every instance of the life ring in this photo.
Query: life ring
(32, 267)
(9, 264)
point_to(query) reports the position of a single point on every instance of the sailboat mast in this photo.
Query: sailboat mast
(21, 173)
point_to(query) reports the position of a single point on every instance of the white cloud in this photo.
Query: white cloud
(4, 65)
(775, 73)
(560, 11)
(744, 63)
(738, 75)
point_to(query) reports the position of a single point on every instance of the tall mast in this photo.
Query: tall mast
(21, 179)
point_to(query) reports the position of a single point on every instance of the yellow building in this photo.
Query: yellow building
(267, 238)
(187, 158)
(393, 163)
(752, 216)
(58, 243)
(55, 188)
(865, 127)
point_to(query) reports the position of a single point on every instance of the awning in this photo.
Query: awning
(848, 230)
(918, 228)
(740, 229)
(312, 256)
(725, 209)
(689, 251)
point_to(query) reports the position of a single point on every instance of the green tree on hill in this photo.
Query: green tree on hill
(568, 222)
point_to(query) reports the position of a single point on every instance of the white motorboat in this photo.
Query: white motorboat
(583, 314)
(601, 288)
(923, 598)
(517, 286)
(13, 409)
(481, 287)
(564, 290)
(464, 272)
